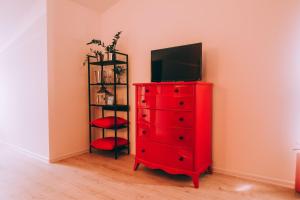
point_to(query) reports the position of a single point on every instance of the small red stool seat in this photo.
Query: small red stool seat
(109, 122)
(108, 143)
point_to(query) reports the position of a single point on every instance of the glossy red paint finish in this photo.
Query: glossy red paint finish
(165, 102)
(173, 127)
(166, 118)
(168, 135)
(168, 155)
(297, 181)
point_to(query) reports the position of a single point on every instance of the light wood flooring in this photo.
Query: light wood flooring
(100, 177)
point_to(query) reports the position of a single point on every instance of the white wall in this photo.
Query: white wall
(23, 76)
(42, 48)
(251, 53)
(251, 56)
(70, 27)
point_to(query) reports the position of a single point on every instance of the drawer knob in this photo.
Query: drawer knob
(147, 91)
(143, 150)
(181, 119)
(181, 103)
(143, 101)
(181, 158)
(176, 90)
(144, 132)
(144, 115)
(181, 137)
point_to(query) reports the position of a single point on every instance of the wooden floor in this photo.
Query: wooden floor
(100, 177)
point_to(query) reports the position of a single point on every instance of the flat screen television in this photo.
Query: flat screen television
(181, 63)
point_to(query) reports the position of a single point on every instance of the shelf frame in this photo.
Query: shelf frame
(115, 107)
(108, 84)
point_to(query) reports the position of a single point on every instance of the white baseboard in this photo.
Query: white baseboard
(43, 158)
(262, 179)
(26, 152)
(68, 155)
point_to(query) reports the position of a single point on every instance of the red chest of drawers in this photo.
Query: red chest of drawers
(173, 127)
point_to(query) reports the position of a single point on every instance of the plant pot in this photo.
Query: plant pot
(101, 57)
(97, 76)
(118, 78)
(109, 56)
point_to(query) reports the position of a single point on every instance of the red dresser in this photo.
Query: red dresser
(173, 127)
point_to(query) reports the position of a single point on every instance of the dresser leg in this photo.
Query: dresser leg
(209, 170)
(136, 165)
(196, 180)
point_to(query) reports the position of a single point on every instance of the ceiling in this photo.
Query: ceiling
(15, 19)
(97, 5)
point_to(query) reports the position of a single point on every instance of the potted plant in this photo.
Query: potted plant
(97, 53)
(111, 49)
(102, 95)
(119, 70)
(101, 48)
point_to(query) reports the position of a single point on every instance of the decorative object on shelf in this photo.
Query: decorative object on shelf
(119, 70)
(96, 53)
(109, 56)
(106, 100)
(108, 76)
(110, 100)
(100, 98)
(102, 95)
(105, 78)
(108, 49)
(97, 76)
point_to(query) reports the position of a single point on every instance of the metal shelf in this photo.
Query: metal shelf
(108, 62)
(116, 107)
(108, 84)
(120, 127)
(112, 107)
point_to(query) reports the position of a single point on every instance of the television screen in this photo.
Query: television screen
(182, 63)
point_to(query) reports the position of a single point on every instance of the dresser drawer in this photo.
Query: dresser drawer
(162, 102)
(144, 116)
(180, 158)
(144, 132)
(146, 101)
(166, 118)
(175, 103)
(176, 137)
(177, 90)
(147, 90)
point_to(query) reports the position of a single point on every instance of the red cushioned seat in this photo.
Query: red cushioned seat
(108, 143)
(108, 122)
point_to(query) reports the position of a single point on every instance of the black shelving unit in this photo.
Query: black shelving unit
(115, 107)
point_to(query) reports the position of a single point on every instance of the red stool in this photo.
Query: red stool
(297, 181)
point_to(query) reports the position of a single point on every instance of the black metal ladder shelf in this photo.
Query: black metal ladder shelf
(115, 107)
